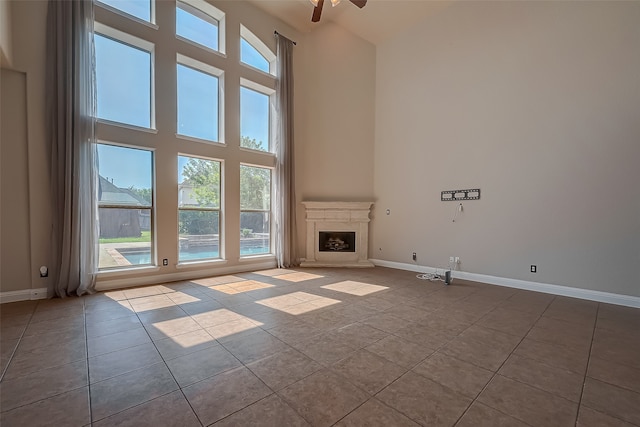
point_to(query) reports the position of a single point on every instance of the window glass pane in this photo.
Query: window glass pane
(250, 56)
(125, 176)
(123, 77)
(195, 25)
(199, 182)
(138, 8)
(254, 119)
(198, 229)
(199, 235)
(255, 194)
(125, 237)
(197, 104)
(255, 188)
(125, 196)
(254, 233)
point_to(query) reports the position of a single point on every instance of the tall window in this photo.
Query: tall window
(255, 117)
(255, 210)
(198, 100)
(125, 206)
(161, 71)
(198, 209)
(123, 78)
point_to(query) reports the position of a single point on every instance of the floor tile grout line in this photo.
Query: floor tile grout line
(475, 323)
(86, 348)
(13, 353)
(495, 373)
(168, 369)
(586, 370)
(54, 395)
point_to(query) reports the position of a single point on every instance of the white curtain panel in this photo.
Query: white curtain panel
(71, 108)
(285, 203)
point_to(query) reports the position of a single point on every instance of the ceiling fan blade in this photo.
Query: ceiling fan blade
(317, 11)
(359, 3)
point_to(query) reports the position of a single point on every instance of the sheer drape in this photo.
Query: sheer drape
(285, 206)
(71, 106)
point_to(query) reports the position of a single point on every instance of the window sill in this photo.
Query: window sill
(126, 126)
(200, 264)
(261, 257)
(201, 140)
(127, 271)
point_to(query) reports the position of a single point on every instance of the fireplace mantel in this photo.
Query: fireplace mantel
(337, 217)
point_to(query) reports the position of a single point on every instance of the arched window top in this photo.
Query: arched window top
(254, 53)
(200, 22)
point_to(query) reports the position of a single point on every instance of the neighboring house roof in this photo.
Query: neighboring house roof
(111, 194)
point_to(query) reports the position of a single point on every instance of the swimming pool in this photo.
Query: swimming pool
(143, 256)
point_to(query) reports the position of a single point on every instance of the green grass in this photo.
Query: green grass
(146, 237)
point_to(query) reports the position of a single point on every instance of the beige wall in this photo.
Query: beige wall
(538, 105)
(6, 48)
(338, 127)
(28, 22)
(334, 118)
(14, 227)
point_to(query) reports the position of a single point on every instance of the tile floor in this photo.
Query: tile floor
(319, 347)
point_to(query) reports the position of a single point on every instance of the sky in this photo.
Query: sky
(126, 167)
(124, 93)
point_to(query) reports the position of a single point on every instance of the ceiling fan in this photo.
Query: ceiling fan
(317, 10)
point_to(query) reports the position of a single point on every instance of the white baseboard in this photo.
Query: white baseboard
(154, 279)
(23, 295)
(547, 288)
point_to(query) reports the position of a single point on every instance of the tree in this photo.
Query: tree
(204, 178)
(246, 142)
(143, 193)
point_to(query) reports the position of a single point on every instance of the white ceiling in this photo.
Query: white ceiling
(376, 22)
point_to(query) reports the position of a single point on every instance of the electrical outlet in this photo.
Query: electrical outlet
(414, 256)
(452, 259)
(44, 271)
(165, 262)
(534, 268)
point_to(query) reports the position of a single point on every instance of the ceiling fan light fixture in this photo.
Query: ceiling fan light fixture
(314, 2)
(335, 2)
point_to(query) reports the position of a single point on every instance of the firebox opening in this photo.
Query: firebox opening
(334, 241)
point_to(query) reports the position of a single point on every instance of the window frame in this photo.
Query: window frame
(196, 65)
(219, 209)
(207, 12)
(271, 94)
(268, 211)
(135, 43)
(262, 49)
(153, 262)
(152, 13)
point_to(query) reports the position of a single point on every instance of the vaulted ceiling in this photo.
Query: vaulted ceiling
(376, 22)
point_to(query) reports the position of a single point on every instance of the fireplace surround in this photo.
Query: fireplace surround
(337, 234)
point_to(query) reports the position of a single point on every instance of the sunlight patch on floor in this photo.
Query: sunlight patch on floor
(298, 302)
(213, 281)
(274, 272)
(354, 288)
(183, 298)
(298, 277)
(240, 287)
(198, 339)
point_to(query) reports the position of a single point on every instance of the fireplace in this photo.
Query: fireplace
(337, 234)
(335, 241)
